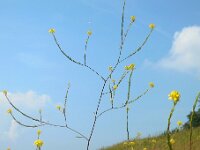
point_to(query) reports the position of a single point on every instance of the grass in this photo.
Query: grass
(181, 142)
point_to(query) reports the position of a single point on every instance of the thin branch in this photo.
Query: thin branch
(96, 114)
(118, 83)
(129, 87)
(127, 31)
(18, 110)
(65, 104)
(70, 58)
(127, 123)
(139, 48)
(43, 122)
(110, 91)
(127, 109)
(137, 98)
(86, 45)
(122, 32)
(105, 81)
(124, 105)
(74, 61)
(22, 124)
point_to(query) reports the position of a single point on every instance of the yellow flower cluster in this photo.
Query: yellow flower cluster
(5, 92)
(9, 111)
(38, 143)
(89, 33)
(145, 148)
(175, 96)
(58, 107)
(151, 26)
(132, 143)
(129, 67)
(39, 132)
(132, 18)
(154, 141)
(115, 87)
(151, 84)
(179, 123)
(110, 68)
(52, 30)
(125, 143)
(172, 141)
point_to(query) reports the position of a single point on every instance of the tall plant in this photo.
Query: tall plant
(107, 83)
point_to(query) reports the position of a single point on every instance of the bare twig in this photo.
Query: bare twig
(42, 122)
(65, 103)
(86, 45)
(124, 105)
(139, 48)
(73, 60)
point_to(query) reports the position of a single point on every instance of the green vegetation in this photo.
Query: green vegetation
(160, 142)
(196, 119)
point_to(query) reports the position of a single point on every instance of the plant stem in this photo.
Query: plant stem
(168, 126)
(191, 118)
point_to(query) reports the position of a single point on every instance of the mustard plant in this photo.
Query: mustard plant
(174, 96)
(107, 82)
(191, 118)
(38, 143)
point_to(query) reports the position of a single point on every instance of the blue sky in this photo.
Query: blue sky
(36, 74)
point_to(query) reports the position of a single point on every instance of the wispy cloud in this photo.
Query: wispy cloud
(13, 131)
(184, 53)
(29, 100)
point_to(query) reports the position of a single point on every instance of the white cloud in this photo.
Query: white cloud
(184, 54)
(29, 100)
(12, 133)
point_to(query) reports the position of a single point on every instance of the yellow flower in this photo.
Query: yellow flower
(129, 67)
(5, 92)
(115, 87)
(38, 143)
(132, 143)
(179, 123)
(110, 68)
(125, 143)
(113, 80)
(9, 111)
(58, 107)
(145, 148)
(39, 132)
(151, 84)
(175, 96)
(132, 18)
(151, 26)
(172, 141)
(154, 141)
(8, 148)
(52, 30)
(89, 33)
